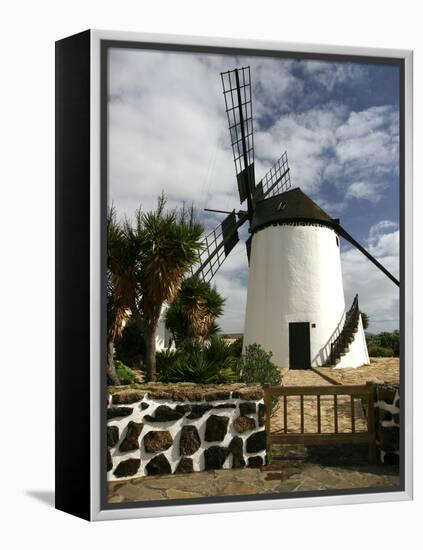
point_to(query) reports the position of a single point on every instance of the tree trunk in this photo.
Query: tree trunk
(150, 354)
(112, 377)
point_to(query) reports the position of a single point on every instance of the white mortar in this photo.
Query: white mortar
(175, 427)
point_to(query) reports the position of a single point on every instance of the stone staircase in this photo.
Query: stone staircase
(340, 346)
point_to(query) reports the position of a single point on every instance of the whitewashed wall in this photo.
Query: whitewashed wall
(295, 276)
(357, 354)
(142, 408)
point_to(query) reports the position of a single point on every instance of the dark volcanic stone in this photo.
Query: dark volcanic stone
(216, 427)
(163, 413)
(156, 441)
(197, 411)
(214, 457)
(189, 441)
(112, 435)
(391, 459)
(130, 442)
(247, 407)
(127, 467)
(386, 393)
(127, 396)
(256, 442)
(255, 462)
(244, 424)
(158, 465)
(225, 406)
(183, 409)
(261, 414)
(236, 448)
(115, 412)
(109, 461)
(144, 405)
(389, 438)
(185, 466)
(382, 414)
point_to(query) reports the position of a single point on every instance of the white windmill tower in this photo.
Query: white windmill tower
(295, 300)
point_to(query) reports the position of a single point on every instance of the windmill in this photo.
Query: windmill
(295, 298)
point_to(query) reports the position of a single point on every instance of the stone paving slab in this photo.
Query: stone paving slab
(294, 470)
(381, 369)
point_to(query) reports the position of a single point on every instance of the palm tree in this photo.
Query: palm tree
(120, 286)
(192, 314)
(168, 243)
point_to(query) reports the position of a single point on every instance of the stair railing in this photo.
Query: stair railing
(351, 322)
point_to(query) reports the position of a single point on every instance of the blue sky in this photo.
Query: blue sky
(339, 123)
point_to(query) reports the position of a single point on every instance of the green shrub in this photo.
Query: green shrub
(217, 350)
(199, 363)
(236, 347)
(379, 351)
(197, 369)
(125, 374)
(389, 340)
(256, 366)
(165, 358)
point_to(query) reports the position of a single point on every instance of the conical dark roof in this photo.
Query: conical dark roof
(289, 207)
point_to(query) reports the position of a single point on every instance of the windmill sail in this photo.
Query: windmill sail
(216, 247)
(238, 102)
(277, 180)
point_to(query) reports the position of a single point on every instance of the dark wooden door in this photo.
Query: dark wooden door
(299, 346)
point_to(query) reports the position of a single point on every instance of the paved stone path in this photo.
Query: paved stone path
(381, 369)
(295, 470)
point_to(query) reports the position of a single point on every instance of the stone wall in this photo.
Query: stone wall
(387, 416)
(162, 429)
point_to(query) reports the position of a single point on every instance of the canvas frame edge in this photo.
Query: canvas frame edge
(99, 513)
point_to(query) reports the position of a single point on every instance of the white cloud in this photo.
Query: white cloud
(378, 296)
(352, 151)
(168, 131)
(330, 74)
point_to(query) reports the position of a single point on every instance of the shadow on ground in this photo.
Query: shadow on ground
(46, 497)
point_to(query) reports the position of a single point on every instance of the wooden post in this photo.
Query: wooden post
(285, 414)
(371, 422)
(319, 422)
(335, 412)
(267, 403)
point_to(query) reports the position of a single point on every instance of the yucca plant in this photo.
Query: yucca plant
(168, 243)
(121, 262)
(193, 313)
(194, 367)
(208, 362)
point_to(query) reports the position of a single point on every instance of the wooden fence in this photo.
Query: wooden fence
(300, 437)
